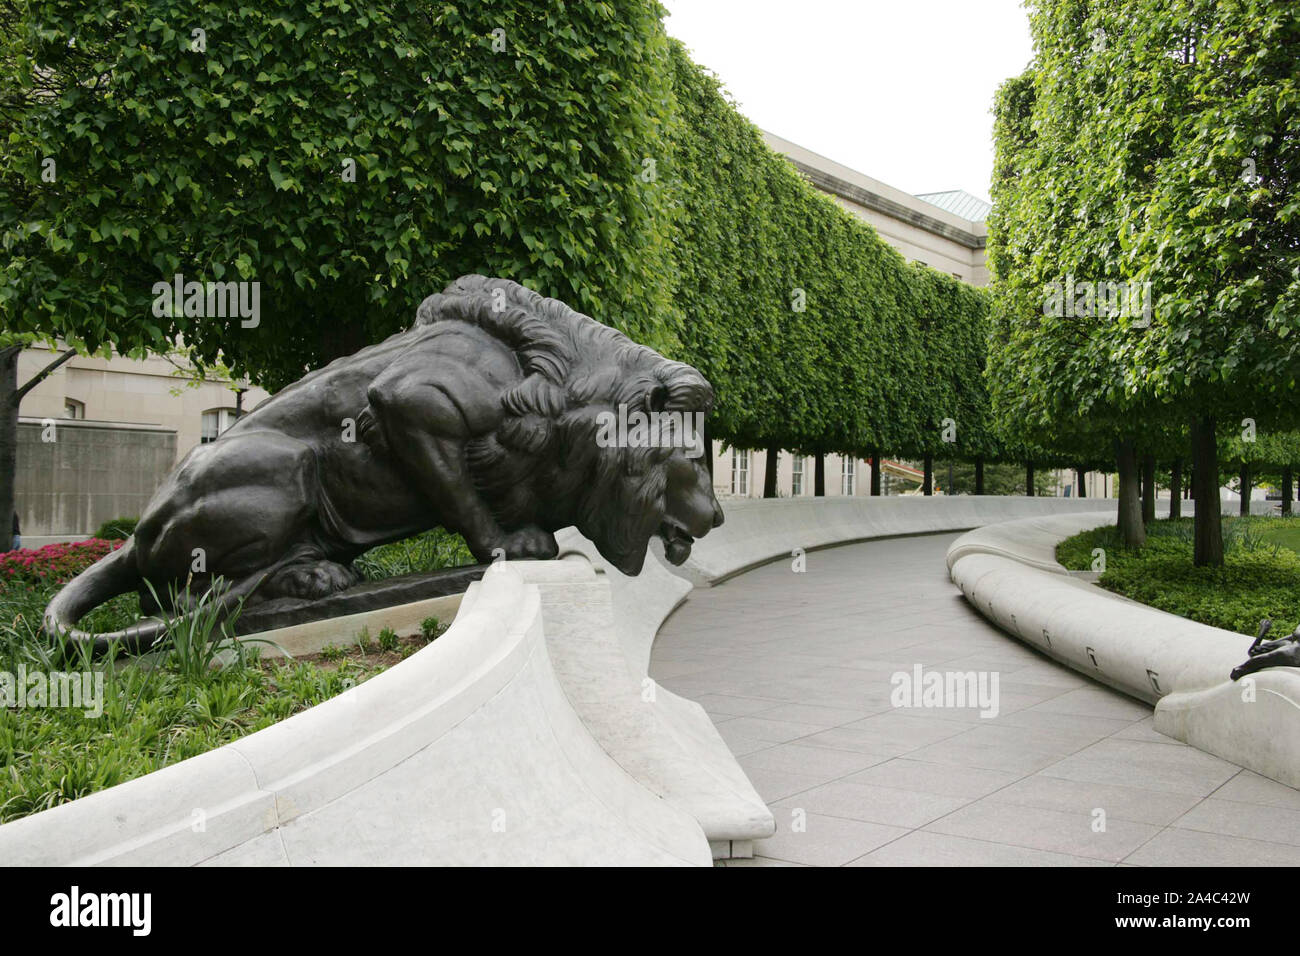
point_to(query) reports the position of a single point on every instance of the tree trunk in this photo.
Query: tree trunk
(707, 437)
(1246, 481)
(927, 484)
(1209, 520)
(979, 476)
(1176, 489)
(11, 399)
(1287, 490)
(8, 441)
(875, 475)
(1080, 491)
(1129, 516)
(769, 473)
(819, 476)
(1148, 489)
(1029, 478)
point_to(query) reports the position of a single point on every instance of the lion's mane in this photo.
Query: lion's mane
(543, 464)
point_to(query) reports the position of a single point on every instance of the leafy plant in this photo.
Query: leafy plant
(364, 640)
(117, 529)
(201, 636)
(332, 652)
(429, 551)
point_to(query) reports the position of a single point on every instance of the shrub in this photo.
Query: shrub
(1258, 578)
(117, 529)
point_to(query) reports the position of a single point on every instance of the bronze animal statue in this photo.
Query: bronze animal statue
(481, 418)
(1282, 652)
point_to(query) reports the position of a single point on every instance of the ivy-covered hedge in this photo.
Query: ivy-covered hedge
(496, 136)
(817, 334)
(569, 145)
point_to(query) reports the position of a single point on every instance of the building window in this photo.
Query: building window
(216, 421)
(796, 477)
(739, 472)
(73, 408)
(847, 475)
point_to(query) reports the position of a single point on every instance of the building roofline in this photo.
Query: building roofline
(832, 177)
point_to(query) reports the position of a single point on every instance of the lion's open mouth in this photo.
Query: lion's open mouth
(677, 543)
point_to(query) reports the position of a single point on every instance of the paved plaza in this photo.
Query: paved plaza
(795, 670)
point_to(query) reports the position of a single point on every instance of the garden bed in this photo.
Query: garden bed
(1260, 577)
(193, 692)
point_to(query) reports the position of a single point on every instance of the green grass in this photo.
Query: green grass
(429, 551)
(1260, 576)
(1286, 534)
(157, 709)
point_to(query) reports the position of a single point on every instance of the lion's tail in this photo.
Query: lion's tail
(114, 574)
(108, 577)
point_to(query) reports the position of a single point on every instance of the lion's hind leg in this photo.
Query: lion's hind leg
(239, 510)
(308, 575)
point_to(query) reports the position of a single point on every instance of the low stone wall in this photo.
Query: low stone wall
(529, 733)
(89, 473)
(757, 531)
(470, 752)
(600, 626)
(1008, 572)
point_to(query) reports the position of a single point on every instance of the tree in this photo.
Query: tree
(1192, 197)
(999, 479)
(345, 162)
(1201, 100)
(11, 395)
(1252, 459)
(1052, 383)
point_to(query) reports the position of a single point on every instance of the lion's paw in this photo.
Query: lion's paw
(311, 580)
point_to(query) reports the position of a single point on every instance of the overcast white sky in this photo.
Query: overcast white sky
(897, 89)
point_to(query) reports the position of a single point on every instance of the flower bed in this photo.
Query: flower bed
(52, 564)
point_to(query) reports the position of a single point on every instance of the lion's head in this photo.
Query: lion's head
(601, 432)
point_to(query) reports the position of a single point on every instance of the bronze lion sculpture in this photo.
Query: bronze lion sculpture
(481, 418)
